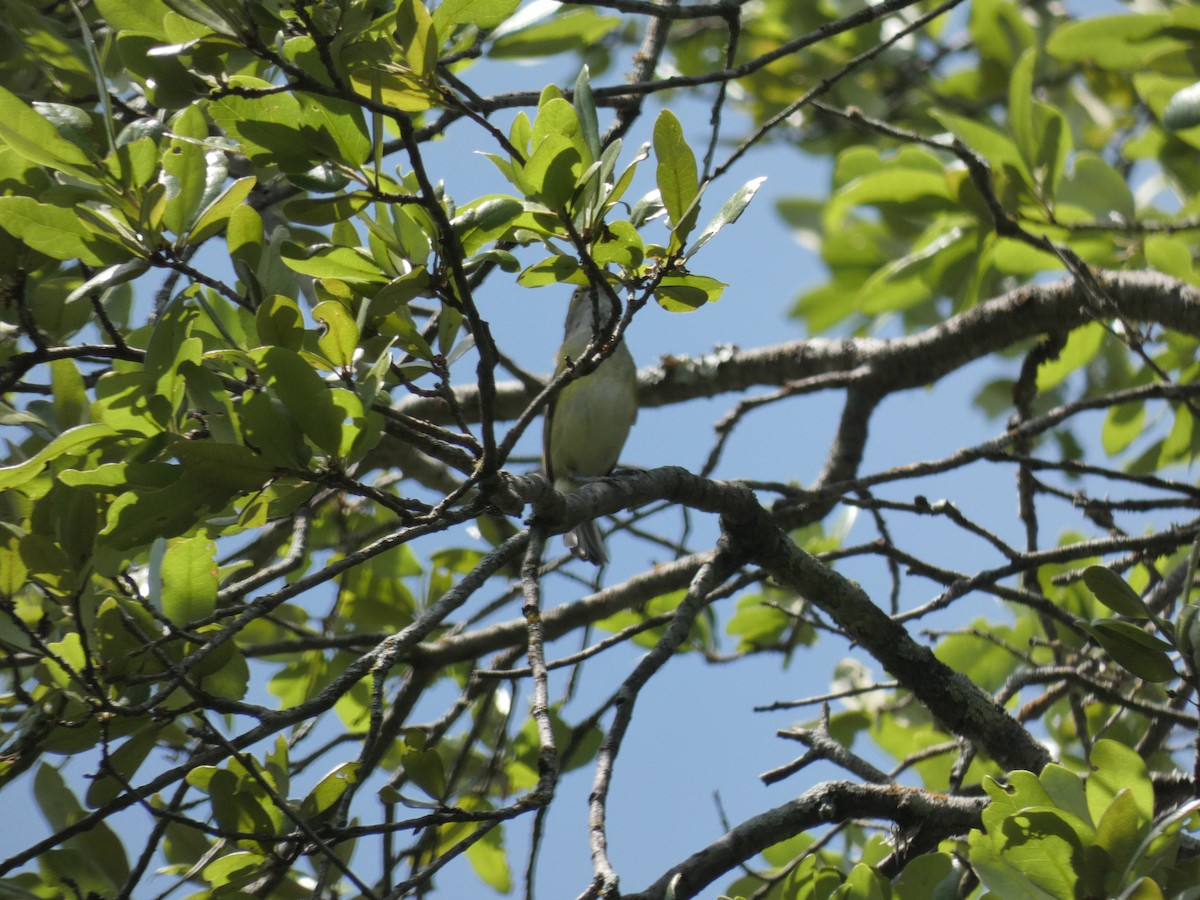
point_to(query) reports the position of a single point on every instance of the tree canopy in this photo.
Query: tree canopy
(279, 611)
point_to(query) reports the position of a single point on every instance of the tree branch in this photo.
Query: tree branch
(833, 801)
(891, 364)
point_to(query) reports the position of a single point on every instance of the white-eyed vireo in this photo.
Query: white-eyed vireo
(587, 423)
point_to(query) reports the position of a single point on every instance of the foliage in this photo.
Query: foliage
(263, 506)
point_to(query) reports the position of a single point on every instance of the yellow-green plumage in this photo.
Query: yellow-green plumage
(588, 422)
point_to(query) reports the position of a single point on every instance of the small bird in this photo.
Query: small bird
(588, 422)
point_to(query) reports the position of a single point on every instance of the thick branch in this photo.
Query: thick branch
(888, 365)
(961, 706)
(835, 801)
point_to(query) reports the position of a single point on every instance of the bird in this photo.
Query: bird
(587, 423)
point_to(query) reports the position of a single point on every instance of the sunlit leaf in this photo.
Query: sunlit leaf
(480, 13)
(568, 30)
(329, 261)
(339, 335)
(728, 214)
(329, 789)
(58, 232)
(32, 136)
(74, 440)
(677, 177)
(1116, 768)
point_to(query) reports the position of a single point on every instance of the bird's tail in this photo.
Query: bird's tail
(586, 542)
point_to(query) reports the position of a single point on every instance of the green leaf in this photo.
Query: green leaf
(1095, 186)
(215, 216)
(678, 180)
(1066, 790)
(13, 570)
(327, 210)
(1053, 146)
(125, 761)
(483, 14)
(267, 127)
(553, 270)
(209, 398)
(244, 236)
(626, 178)
(866, 883)
(71, 122)
(70, 403)
(1119, 833)
(171, 344)
(133, 475)
(620, 245)
(32, 136)
(230, 468)
(490, 862)
(329, 790)
(336, 127)
(399, 89)
(551, 172)
(932, 875)
(485, 220)
(144, 18)
(999, 30)
(339, 337)
(1004, 874)
(56, 231)
(34, 559)
(415, 231)
(99, 847)
(728, 214)
(892, 184)
(1183, 109)
(187, 169)
(189, 580)
(566, 31)
(1170, 255)
(425, 769)
(1179, 445)
(135, 519)
(76, 532)
(1145, 888)
(328, 261)
(1114, 592)
(985, 661)
(234, 870)
(417, 36)
(1113, 42)
(280, 323)
(1020, 108)
(687, 293)
(757, 624)
(74, 441)
(134, 163)
(304, 394)
(109, 278)
(1116, 767)
(1030, 848)
(993, 145)
(1082, 346)
(585, 111)
(205, 14)
(1133, 649)
(271, 431)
